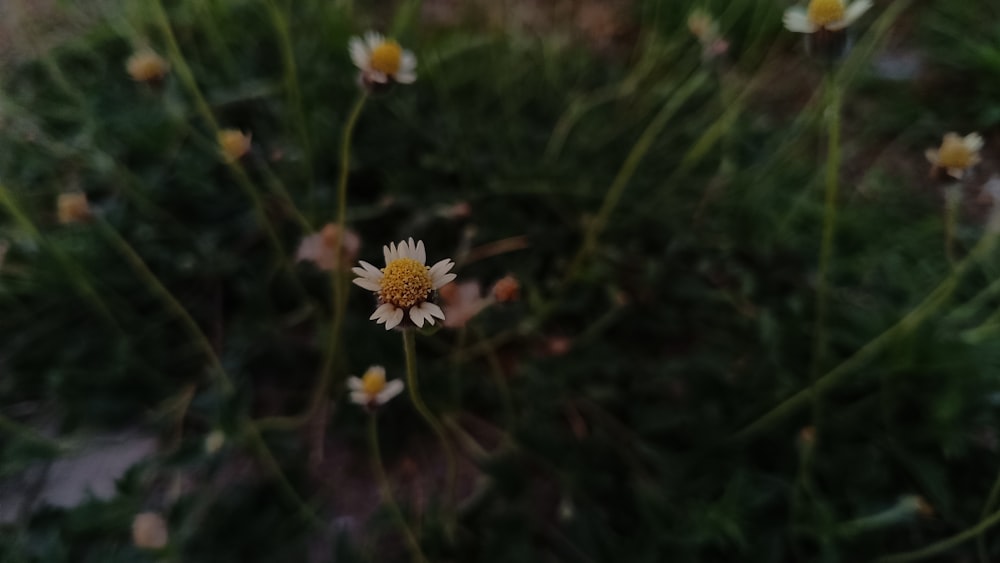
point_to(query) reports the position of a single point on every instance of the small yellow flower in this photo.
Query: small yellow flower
(72, 207)
(382, 60)
(372, 390)
(957, 154)
(147, 66)
(830, 15)
(149, 531)
(405, 285)
(234, 144)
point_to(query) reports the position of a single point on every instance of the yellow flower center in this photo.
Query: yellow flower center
(387, 57)
(825, 12)
(405, 283)
(373, 382)
(954, 153)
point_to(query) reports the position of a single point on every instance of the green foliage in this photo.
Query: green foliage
(610, 414)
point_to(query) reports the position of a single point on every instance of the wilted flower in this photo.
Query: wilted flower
(956, 155)
(706, 29)
(321, 248)
(829, 15)
(372, 390)
(72, 207)
(147, 66)
(405, 284)
(234, 144)
(214, 441)
(507, 289)
(149, 531)
(462, 301)
(382, 61)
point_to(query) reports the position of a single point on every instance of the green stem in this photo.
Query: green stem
(952, 200)
(829, 227)
(339, 281)
(943, 545)
(175, 306)
(386, 490)
(410, 348)
(631, 164)
(938, 297)
(264, 452)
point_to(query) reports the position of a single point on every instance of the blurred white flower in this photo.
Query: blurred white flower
(405, 284)
(371, 389)
(321, 248)
(957, 154)
(830, 15)
(382, 61)
(462, 301)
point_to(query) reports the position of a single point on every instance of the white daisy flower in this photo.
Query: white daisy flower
(405, 284)
(957, 154)
(371, 389)
(829, 15)
(382, 60)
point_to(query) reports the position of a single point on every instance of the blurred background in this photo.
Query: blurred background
(714, 303)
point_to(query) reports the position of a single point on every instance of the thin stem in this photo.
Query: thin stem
(339, 282)
(937, 298)
(410, 348)
(829, 227)
(175, 306)
(631, 164)
(943, 545)
(264, 452)
(385, 489)
(952, 200)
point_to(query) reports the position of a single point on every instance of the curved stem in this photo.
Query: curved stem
(386, 490)
(339, 282)
(410, 347)
(943, 545)
(611, 198)
(937, 298)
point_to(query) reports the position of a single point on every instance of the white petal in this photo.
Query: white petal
(796, 19)
(432, 310)
(382, 312)
(394, 320)
(359, 397)
(377, 77)
(932, 156)
(392, 388)
(371, 268)
(359, 53)
(440, 267)
(406, 77)
(412, 249)
(973, 142)
(408, 61)
(354, 383)
(417, 316)
(367, 284)
(374, 39)
(419, 253)
(854, 10)
(956, 173)
(442, 280)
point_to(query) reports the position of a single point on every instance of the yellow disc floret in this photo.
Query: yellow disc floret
(405, 283)
(826, 12)
(954, 153)
(387, 57)
(373, 382)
